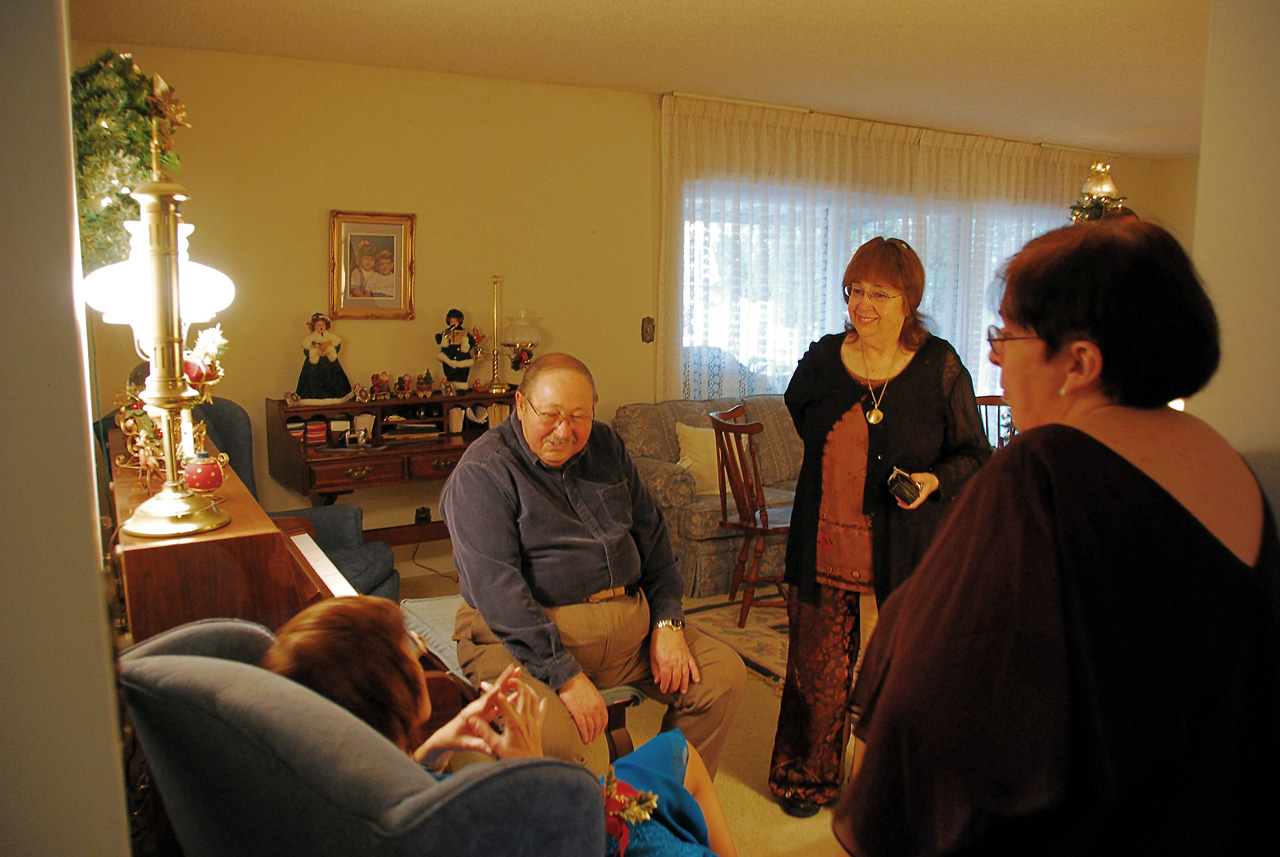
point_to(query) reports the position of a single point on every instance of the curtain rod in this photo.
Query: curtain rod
(1099, 152)
(746, 103)
(742, 101)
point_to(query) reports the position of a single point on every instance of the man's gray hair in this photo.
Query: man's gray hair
(549, 362)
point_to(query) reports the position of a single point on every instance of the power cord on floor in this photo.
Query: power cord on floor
(446, 575)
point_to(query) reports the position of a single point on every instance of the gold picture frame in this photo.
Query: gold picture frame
(361, 244)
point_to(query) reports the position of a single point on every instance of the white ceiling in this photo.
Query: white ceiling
(1121, 76)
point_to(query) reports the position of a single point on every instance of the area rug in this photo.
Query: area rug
(762, 643)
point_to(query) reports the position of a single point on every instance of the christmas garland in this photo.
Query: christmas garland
(112, 105)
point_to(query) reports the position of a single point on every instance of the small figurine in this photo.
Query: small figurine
(322, 376)
(423, 384)
(404, 386)
(361, 393)
(379, 386)
(457, 350)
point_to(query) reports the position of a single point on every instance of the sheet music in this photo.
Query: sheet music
(338, 585)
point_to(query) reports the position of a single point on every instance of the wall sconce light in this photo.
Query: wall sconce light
(159, 293)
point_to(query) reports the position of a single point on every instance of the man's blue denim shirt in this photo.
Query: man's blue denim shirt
(528, 536)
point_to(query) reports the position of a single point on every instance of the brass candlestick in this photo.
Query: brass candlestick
(495, 383)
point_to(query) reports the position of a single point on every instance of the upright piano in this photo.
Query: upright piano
(256, 567)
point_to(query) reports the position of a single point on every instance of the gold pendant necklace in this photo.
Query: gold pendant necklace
(875, 415)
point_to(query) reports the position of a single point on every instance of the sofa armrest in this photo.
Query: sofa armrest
(670, 485)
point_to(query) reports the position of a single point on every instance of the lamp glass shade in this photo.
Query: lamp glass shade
(123, 292)
(520, 331)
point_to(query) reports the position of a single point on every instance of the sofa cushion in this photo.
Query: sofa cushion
(698, 457)
(701, 519)
(649, 430)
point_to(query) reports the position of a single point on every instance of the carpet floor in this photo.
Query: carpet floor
(762, 642)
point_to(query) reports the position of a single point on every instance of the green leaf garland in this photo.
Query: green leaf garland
(111, 127)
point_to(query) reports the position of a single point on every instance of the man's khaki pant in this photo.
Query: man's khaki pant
(610, 641)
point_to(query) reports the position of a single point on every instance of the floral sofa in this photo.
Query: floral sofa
(707, 552)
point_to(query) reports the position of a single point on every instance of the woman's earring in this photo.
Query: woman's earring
(1062, 391)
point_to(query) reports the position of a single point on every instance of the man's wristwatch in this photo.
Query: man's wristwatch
(678, 624)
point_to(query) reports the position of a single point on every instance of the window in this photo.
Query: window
(762, 246)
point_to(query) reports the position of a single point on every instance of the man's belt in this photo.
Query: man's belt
(606, 594)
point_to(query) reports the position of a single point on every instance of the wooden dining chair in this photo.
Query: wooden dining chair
(739, 467)
(997, 421)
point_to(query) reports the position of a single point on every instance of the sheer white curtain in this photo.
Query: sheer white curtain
(762, 208)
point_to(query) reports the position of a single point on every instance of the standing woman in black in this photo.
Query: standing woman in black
(885, 393)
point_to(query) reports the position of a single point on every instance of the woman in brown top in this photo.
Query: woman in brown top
(883, 394)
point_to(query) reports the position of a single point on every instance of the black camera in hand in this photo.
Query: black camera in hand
(902, 486)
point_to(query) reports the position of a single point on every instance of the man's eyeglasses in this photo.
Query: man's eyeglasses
(552, 421)
(996, 337)
(878, 298)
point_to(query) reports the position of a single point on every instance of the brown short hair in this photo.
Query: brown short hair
(350, 650)
(1128, 287)
(892, 262)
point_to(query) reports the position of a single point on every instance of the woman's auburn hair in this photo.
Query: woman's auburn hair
(350, 651)
(1127, 286)
(891, 262)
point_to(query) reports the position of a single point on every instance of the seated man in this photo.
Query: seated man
(566, 567)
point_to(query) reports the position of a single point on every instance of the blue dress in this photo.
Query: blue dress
(677, 827)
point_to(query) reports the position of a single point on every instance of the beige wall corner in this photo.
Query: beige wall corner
(62, 790)
(1238, 207)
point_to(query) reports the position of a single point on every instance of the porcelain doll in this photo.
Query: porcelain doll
(322, 376)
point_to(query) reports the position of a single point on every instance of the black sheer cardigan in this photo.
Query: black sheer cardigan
(931, 423)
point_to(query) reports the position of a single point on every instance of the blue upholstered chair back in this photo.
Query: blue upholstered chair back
(249, 763)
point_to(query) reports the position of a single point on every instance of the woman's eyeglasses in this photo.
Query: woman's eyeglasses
(553, 420)
(996, 337)
(878, 298)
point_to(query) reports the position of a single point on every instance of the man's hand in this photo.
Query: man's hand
(669, 660)
(586, 705)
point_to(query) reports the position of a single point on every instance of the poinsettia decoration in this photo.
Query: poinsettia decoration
(202, 364)
(623, 807)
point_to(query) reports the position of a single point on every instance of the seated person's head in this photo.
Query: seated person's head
(1128, 287)
(555, 404)
(357, 653)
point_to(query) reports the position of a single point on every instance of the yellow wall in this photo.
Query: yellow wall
(554, 188)
(1163, 192)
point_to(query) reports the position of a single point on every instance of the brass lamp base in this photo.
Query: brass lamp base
(175, 512)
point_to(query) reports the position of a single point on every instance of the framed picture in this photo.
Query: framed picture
(371, 264)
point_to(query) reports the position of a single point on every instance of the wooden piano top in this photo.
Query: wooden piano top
(248, 569)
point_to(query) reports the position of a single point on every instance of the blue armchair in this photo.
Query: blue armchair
(369, 566)
(249, 763)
